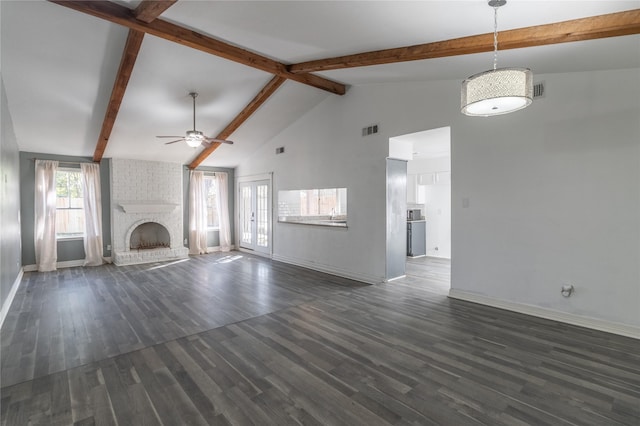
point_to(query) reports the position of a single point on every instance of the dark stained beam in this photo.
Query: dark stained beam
(148, 10)
(255, 103)
(129, 56)
(595, 27)
(122, 15)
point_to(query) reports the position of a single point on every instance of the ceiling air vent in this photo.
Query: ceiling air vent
(370, 130)
(538, 90)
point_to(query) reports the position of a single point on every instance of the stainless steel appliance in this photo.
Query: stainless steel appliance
(416, 238)
(414, 214)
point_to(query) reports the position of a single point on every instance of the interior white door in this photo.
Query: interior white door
(255, 215)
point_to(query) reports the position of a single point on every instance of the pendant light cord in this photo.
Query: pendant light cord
(495, 37)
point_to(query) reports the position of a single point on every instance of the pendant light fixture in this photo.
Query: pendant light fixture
(500, 90)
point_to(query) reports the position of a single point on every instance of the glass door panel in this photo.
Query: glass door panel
(262, 210)
(255, 215)
(246, 216)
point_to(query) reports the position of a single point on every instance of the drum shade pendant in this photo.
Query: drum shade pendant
(500, 90)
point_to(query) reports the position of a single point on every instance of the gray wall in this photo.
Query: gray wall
(10, 262)
(74, 249)
(67, 249)
(213, 237)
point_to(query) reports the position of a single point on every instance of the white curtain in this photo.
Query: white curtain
(92, 214)
(44, 233)
(197, 214)
(222, 198)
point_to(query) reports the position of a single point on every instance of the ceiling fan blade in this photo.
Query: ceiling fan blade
(219, 140)
(169, 136)
(179, 140)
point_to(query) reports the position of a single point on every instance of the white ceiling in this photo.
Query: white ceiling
(59, 65)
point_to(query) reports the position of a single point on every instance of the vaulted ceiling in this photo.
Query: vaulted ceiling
(254, 64)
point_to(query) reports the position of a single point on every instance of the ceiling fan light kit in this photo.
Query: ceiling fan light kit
(500, 90)
(195, 138)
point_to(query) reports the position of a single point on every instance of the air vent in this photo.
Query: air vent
(370, 130)
(280, 150)
(538, 90)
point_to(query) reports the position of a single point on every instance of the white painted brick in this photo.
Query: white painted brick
(137, 180)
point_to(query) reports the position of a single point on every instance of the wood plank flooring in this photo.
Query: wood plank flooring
(237, 339)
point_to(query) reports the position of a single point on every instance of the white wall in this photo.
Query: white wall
(553, 190)
(554, 198)
(325, 149)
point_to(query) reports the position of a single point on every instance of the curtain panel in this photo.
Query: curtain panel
(92, 200)
(197, 213)
(222, 199)
(44, 233)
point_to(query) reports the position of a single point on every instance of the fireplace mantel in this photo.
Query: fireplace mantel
(147, 206)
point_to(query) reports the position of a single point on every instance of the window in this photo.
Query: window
(69, 204)
(212, 204)
(327, 206)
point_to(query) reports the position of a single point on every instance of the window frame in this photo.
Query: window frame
(75, 236)
(211, 177)
(309, 206)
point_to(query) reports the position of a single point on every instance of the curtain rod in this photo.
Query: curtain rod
(65, 162)
(206, 172)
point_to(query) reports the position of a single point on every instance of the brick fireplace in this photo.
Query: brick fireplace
(144, 193)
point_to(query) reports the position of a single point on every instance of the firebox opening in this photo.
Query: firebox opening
(149, 235)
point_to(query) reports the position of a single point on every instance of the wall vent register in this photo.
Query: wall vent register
(370, 130)
(538, 90)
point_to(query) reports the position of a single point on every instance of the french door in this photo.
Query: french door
(255, 215)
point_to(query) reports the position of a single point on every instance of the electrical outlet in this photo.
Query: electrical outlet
(567, 290)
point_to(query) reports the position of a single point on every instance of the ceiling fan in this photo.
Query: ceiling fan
(195, 138)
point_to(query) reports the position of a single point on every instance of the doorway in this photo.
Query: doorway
(428, 155)
(255, 216)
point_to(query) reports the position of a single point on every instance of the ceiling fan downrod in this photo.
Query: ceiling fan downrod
(194, 95)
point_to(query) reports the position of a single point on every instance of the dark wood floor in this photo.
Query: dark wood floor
(237, 339)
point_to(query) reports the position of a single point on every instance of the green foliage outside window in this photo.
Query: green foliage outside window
(69, 204)
(212, 206)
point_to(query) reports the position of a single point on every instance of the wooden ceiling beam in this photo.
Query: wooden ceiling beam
(124, 16)
(148, 10)
(595, 27)
(255, 103)
(129, 56)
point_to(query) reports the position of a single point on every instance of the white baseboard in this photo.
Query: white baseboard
(12, 294)
(217, 248)
(369, 279)
(396, 278)
(59, 265)
(256, 253)
(550, 314)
